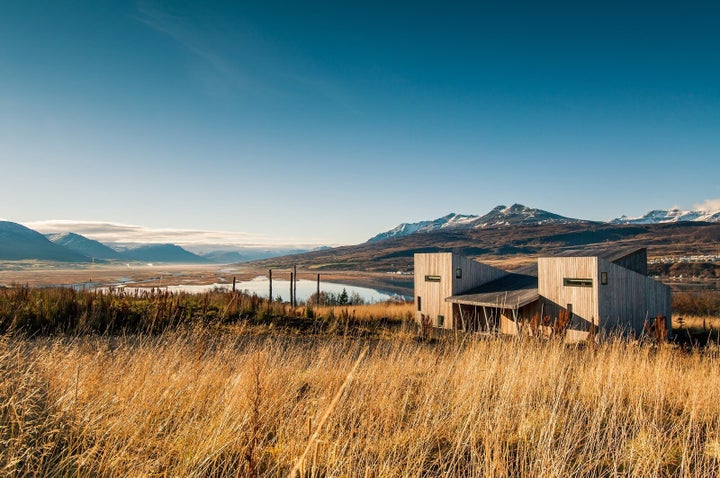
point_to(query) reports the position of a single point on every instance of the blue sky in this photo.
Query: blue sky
(328, 122)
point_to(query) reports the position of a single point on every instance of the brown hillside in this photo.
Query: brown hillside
(509, 246)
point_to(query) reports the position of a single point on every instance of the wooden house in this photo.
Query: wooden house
(577, 292)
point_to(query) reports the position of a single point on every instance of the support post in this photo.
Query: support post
(292, 301)
(462, 318)
(517, 323)
(317, 300)
(234, 280)
(295, 286)
(270, 278)
(487, 323)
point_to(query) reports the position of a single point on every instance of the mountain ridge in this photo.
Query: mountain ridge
(499, 216)
(458, 231)
(518, 214)
(662, 216)
(84, 245)
(509, 245)
(169, 253)
(18, 242)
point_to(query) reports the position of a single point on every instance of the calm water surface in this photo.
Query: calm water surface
(305, 288)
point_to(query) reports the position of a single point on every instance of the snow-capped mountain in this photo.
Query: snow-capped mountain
(670, 215)
(405, 229)
(517, 214)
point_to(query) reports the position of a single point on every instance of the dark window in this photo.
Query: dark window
(432, 278)
(458, 273)
(441, 320)
(419, 304)
(577, 282)
(603, 278)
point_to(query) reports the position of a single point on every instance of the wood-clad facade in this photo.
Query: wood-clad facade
(629, 299)
(570, 283)
(595, 292)
(444, 274)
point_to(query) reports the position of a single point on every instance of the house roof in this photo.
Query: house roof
(514, 290)
(610, 254)
(520, 287)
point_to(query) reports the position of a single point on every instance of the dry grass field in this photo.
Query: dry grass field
(238, 402)
(245, 395)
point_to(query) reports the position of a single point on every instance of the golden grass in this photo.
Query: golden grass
(392, 311)
(203, 403)
(696, 322)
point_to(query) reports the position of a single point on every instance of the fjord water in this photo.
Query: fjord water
(305, 288)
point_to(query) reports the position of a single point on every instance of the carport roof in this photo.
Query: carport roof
(514, 290)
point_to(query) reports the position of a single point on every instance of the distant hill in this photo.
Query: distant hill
(500, 216)
(226, 257)
(162, 253)
(506, 243)
(661, 216)
(83, 245)
(18, 242)
(247, 255)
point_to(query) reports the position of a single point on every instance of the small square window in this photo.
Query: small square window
(603, 278)
(458, 273)
(419, 304)
(432, 278)
(441, 320)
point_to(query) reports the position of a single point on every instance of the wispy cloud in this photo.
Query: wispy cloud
(182, 32)
(708, 205)
(107, 232)
(250, 64)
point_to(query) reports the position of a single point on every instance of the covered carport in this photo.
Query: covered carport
(500, 305)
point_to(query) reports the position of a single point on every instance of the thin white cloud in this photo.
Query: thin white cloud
(182, 32)
(708, 205)
(237, 65)
(111, 233)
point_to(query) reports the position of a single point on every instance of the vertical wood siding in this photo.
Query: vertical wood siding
(433, 294)
(635, 262)
(474, 274)
(556, 295)
(629, 298)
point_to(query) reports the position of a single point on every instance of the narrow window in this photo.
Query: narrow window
(572, 282)
(603, 278)
(441, 320)
(458, 273)
(569, 309)
(432, 278)
(419, 304)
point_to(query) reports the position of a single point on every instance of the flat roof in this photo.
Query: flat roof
(514, 290)
(610, 254)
